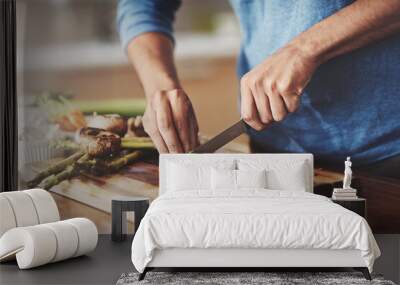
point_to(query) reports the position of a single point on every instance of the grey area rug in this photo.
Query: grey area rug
(233, 278)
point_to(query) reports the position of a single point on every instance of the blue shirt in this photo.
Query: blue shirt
(351, 107)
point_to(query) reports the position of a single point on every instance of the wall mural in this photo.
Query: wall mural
(80, 132)
(80, 103)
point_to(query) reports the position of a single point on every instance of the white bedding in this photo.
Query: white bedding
(251, 218)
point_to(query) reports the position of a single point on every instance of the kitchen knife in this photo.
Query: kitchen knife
(223, 138)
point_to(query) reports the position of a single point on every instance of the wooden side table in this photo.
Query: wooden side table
(357, 205)
(119, 207)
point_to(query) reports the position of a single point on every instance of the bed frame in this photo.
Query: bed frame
(245, 258)
(242, 259)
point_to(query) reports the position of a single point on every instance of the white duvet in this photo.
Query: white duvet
(250, 219)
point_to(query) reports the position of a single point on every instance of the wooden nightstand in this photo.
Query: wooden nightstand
(357, 205)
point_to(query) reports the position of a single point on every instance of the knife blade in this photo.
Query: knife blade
(222, 138)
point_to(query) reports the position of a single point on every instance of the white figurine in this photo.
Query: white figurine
(347, 174)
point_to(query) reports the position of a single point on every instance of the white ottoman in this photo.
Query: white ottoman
(31, 232)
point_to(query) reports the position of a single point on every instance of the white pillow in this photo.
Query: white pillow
(223, 179)
(292, 175)
(186, 175)
(236, 179)
(251, 178)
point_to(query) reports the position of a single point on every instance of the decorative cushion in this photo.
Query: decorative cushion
(236, 179)
(281, 174)
(186, 175)
(40, 244)
(223, 179)
(251, 178)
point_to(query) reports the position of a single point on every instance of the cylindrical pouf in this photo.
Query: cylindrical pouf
(34, 246)
(87, 234)
(23, 208)
(67, 239)
(7, 218)
(41, 244)
(45, 205)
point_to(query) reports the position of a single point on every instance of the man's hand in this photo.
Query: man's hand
(272, 89)
(169, 118)
(170, 121)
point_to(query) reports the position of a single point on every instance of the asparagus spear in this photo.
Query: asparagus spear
(69, 172)
(56, 168)
(109, 166)
(55, 179)
(116, 164)
(78, 162)
(85, 162)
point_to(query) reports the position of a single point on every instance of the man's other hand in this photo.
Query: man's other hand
(170, 121)
(272, 89)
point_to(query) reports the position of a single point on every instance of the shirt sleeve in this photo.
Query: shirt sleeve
(135, 17)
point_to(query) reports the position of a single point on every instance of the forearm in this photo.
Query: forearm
(354, 26)
(152, 56)
(169, 118)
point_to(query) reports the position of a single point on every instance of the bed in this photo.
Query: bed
(247, 210)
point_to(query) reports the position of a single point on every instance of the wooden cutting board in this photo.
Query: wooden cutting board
(138, 179)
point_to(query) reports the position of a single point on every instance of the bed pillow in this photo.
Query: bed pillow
(186, 175)
(251, 178)
(223, 179)
(228, 179)
(281, 174)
